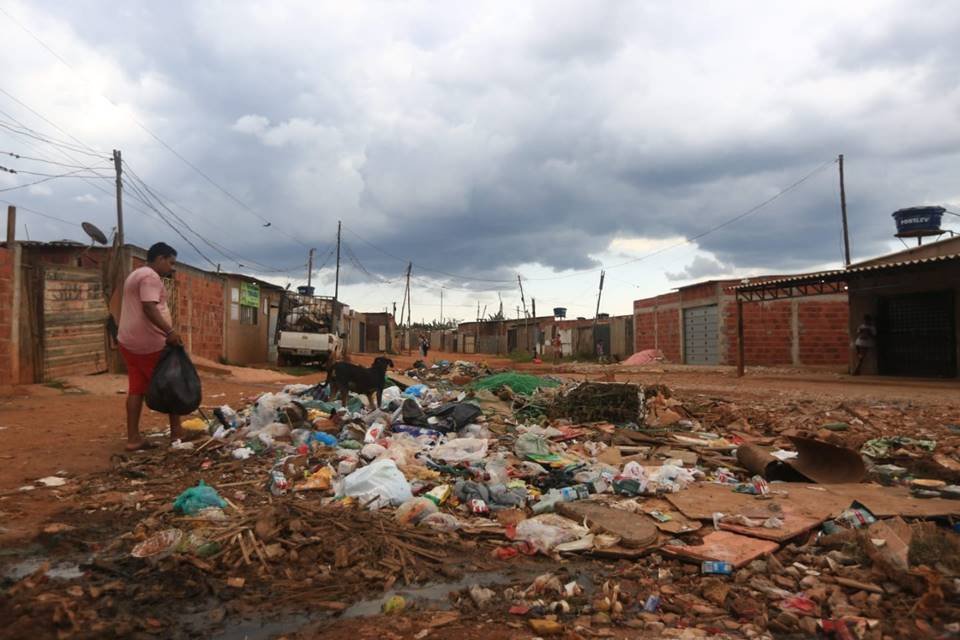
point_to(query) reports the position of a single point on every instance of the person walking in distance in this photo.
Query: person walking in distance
(557, 348)
(145, 329)
(865, 341)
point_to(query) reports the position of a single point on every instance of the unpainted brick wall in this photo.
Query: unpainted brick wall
(200, 310)
(824, 337)
(656, 327)
(767, 330)
(6, 316)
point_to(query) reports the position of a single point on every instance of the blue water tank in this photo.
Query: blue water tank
(918, 221)
(305, 290)
(559, 312)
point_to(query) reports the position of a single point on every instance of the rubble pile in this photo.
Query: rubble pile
(636, 510)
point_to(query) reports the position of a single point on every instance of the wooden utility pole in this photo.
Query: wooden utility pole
(843, 214)
(310, 267)
(740, 363)
(441, 306)
(12, 226)
(118, 168)
(336, 285)
(597, 313)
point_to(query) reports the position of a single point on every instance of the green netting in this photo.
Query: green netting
(518, 383)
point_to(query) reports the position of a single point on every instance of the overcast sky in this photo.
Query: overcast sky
(482, 140)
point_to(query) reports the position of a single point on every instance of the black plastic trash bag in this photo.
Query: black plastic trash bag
(175, 386)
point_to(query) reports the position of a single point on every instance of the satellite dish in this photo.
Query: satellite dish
(95, 234)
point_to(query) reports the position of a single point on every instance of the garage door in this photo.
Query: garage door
(74, 317)
(916, 335)
(700, 331)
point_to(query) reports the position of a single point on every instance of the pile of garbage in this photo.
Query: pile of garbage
(730, 519)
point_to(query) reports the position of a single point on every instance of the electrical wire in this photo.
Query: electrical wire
(71, 174)
(230, 255)
(167, 146)
(693, 239)
(19, 156)
(20, 207)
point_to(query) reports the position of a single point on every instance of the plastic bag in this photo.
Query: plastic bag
(371, 451)
(196, 498)
(413, 511)
(380, 484)
(546, 531)
(461, 450)
(440, 522)
(175, 385)
(391, 394)
(531, 444)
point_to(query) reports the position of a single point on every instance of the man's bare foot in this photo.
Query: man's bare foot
(140, 445)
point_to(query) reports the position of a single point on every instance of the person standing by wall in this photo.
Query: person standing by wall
(865, 342)
(557, 348)
(145, 329)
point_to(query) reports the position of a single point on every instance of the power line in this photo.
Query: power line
(420, 266)
(19, 156)
(20, 207)
(195, 168)
(71, 174)
(230, 255)
(690, 240)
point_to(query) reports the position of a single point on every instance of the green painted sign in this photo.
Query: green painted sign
(249, 294)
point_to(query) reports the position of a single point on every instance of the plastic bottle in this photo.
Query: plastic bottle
(566, 494)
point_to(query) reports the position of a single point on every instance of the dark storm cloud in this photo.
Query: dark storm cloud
(476, 140)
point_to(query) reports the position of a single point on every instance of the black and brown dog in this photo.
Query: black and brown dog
(345, 377)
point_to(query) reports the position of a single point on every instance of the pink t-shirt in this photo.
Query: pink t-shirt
(137, 334)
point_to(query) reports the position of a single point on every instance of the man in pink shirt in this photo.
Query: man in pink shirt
(145, 329)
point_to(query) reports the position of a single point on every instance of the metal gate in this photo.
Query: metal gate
(700, 335)
(74, 318)
(916, 335)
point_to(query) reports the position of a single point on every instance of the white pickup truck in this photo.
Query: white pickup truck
(305, 330)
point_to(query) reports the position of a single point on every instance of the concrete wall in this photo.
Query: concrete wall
(796, 332)
(246, 343)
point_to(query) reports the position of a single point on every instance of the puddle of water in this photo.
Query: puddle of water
(261, 629)
(434, 593)
(60, 571)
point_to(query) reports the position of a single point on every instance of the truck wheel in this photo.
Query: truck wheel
(283, 360)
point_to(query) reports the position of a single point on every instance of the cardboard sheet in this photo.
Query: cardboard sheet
(725, 546)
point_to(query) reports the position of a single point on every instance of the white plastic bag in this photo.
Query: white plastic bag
(546, 531)
(380, 484)
(461, 450)
(390, 394)
(440, 522)
(371, 451)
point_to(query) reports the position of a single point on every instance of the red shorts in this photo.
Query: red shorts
(139, 370)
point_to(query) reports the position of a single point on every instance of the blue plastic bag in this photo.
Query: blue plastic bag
(194, 499)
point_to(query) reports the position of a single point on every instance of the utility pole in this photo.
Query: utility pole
(336, 284)
(118, 168)
(843, 213)
(597, 313)
(405, 306)
(310, 267)
(441, 306)
(536, 327)
(394, 309)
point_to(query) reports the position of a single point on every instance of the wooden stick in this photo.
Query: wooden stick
(243, 549)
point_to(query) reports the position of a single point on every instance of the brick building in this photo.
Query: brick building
(697, 325)
(913, 297)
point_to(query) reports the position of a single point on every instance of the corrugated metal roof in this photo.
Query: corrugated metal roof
(842, 274)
